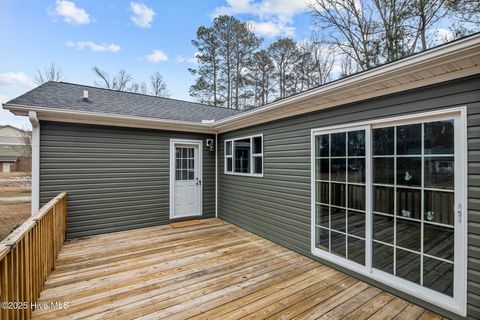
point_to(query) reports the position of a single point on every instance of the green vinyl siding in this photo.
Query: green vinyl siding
(116, 178)
(277, 206)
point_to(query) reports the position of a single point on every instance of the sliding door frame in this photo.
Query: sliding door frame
(457, 303)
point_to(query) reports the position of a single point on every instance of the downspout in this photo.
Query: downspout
(32, 116)
(216, 175)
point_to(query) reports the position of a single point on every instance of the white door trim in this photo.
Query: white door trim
(199, 144)
(456, 304)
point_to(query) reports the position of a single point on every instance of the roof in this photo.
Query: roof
(69, 96)
(450, 61)
(12, 140)
(8, 158)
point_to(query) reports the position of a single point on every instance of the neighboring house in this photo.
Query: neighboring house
(14, 153)
(376, 174)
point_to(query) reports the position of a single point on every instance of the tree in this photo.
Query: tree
(285, 56)
(260, 77)
(50, 73)
(120, 81)
(158, 85)
(351, 27)
(138, 87)
(225, 50)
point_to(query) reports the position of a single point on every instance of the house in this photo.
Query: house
(14, 153)
(376, 174)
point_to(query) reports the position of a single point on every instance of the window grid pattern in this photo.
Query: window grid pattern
(421, 249)
(344, 232)
(244, 156)
(184, 163)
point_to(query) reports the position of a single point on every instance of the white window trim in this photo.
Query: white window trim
(252, 155)
(457, 304)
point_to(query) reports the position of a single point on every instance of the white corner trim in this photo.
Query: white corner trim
(32, 116)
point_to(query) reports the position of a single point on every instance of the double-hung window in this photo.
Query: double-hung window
(388, 201)
(244, 156)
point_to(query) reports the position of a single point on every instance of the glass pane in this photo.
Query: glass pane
(184, 153)
(322, 239)
(383, 199)
(242, 155)
(438, 241)
(356, 250)
(409, 171)
(184, 174)
(184, 163)
(383, 141)
(178, 164)
(439, 207)
(339, 219)
(409, 139)
(409, 234)
(384, 170)
(408, 265)
(322, 146)
(439, 137)
(382, 257)
(356, 143)
(178, 174)
(323, 169)
(322, 192)
(438, 275)
(338, 144)
(356, 197)
(228, 148)
(356, 224)
(356, 170)
(191, 152)
(409, 203)
(338, 169)
(439, 172)
(191, 164)
(383, 228)
(338, 194)
(191, 174)
(338, 242)
(257, 165)
(229, 164)
(257, 145)
(178, 153)
(322, 216)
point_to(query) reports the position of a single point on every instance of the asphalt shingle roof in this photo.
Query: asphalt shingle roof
(69, 96)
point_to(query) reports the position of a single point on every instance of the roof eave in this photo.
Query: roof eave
(73, 116)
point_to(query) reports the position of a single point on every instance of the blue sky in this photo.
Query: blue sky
(139, 36)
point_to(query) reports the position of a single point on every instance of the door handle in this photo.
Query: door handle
(199, 182)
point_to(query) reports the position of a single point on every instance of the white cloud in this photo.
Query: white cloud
(94, 47)
(3, 98)
(443, 35)
(142, 15)
(264, 8)
(157, 55)
(275, 15)
(71, 13)
(192, 60)
(272, 29)
(16, 79)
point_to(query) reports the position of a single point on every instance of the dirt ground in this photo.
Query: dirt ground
(13, 215)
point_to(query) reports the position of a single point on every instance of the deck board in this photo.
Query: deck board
(209, 271)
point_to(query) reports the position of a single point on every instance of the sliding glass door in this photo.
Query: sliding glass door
(387, 202)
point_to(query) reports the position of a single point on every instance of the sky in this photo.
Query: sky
(141, 37)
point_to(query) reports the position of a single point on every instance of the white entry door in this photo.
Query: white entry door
(6, 167)
(185, 178)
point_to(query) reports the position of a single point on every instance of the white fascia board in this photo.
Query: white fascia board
(84, 117)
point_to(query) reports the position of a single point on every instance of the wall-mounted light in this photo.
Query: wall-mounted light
(210, 144)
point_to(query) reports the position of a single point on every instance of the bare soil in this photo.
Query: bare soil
(13, 184)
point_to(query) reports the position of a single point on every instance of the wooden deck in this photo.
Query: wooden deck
(207, 271)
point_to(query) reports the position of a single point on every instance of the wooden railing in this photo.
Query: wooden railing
(27, 256)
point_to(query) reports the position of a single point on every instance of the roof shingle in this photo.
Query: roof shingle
(69, 96)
